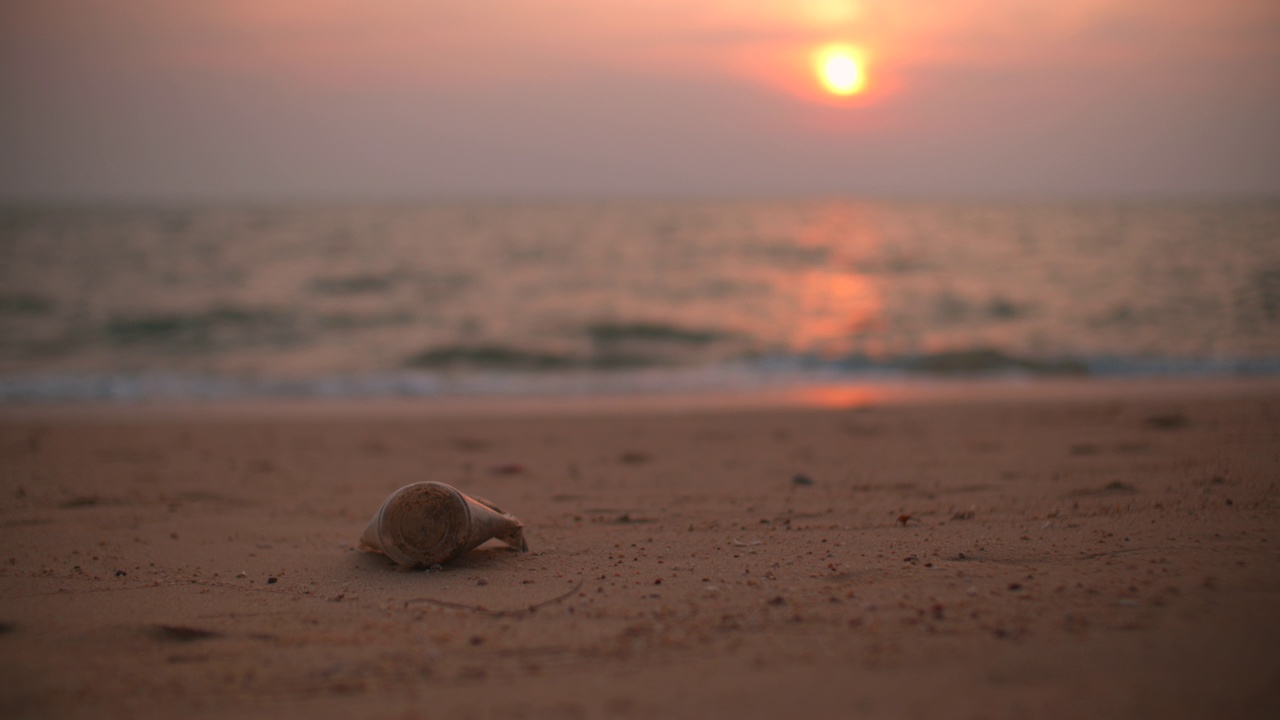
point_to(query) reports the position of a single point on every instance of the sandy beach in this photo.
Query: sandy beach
(1101, 551)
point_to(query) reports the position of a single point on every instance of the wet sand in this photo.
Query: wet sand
(1103, 552)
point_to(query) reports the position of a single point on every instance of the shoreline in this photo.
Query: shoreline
(794, 396)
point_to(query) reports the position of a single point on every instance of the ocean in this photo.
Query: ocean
(594, 297)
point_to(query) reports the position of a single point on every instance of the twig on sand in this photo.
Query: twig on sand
(498, 613)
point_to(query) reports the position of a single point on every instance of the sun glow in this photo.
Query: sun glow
(841, 69)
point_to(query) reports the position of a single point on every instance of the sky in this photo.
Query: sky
(140, 100)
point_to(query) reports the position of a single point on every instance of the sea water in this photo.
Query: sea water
(473, 297)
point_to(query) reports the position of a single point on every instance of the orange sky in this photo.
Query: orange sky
(229, 98)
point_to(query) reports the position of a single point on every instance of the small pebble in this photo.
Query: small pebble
(271, 581)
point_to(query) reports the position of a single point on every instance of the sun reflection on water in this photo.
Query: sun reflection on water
(833, 303)
(832, 307)
(836, 397)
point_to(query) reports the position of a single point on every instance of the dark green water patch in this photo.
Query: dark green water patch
(1001, 308)
(607, 333)
(219, 325)
(985, 361)
(352, 285)
(344, 321)
(24, 304)
(1267, 284)
(490, 357)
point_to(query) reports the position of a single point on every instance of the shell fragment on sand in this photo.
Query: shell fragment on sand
(429, 523)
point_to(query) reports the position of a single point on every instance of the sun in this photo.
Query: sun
(841, 69)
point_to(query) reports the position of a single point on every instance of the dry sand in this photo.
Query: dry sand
(1101, 553)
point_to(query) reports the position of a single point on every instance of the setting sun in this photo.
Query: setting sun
(841, 69)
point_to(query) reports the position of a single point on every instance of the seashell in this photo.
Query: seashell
(428, 523)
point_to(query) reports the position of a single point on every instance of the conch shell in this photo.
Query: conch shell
(429, 523)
